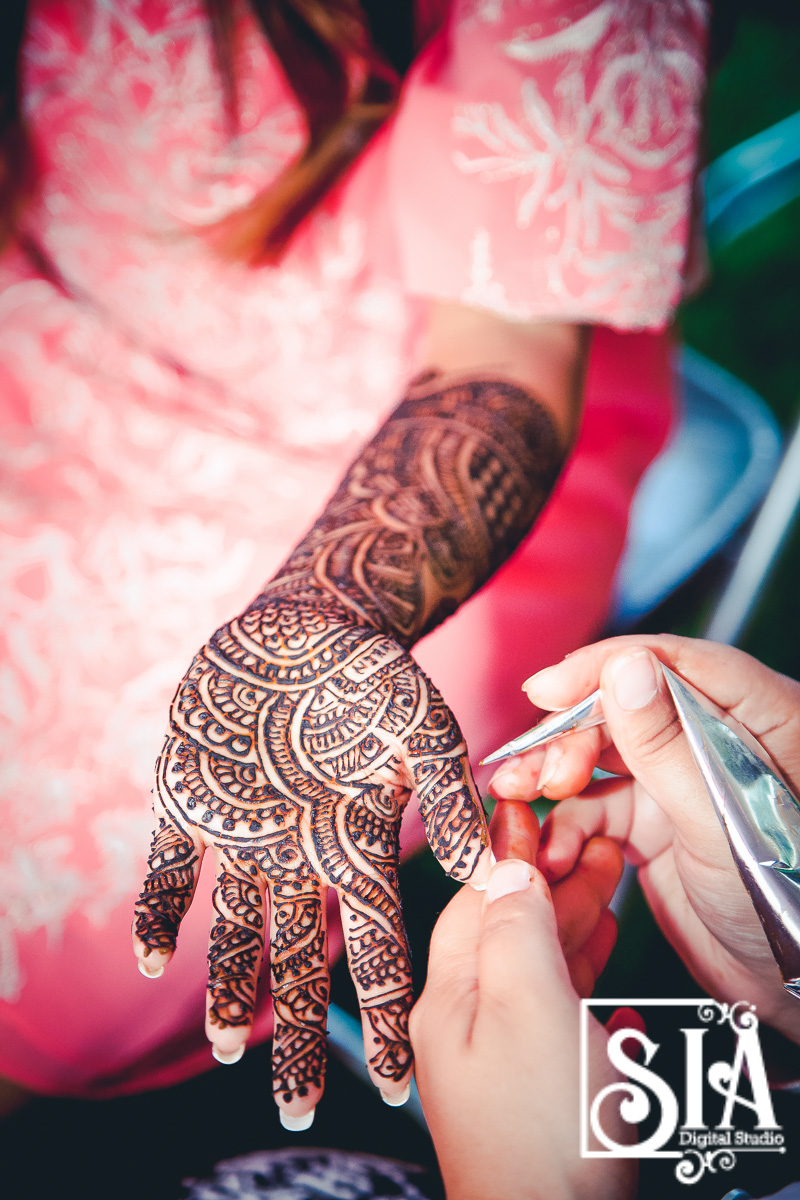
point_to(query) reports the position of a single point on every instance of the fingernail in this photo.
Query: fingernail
(227, 1059)
(508, 781)
(509, 765)
(634, 681)
(481, 887)
(297, 1124)
(397, 1101)
(507, 877)
(537, 678)
(159, 971)
(551, 766)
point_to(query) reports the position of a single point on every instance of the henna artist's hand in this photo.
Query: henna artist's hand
(301, 728)
(495, 1033)
(659, 810)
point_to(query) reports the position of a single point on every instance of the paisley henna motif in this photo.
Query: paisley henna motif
(301, 728)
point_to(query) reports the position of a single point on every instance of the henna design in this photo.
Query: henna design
(300, 729)
(299, 985)
(236, 946)
(168, 888)
(434, 504)
(380, 965)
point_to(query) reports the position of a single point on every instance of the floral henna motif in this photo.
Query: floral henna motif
(301, 728)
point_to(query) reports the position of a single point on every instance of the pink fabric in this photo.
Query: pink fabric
(172, 423)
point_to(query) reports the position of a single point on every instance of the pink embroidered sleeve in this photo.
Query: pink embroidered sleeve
(556, 143)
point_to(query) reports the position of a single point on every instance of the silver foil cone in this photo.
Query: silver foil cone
(760, 816)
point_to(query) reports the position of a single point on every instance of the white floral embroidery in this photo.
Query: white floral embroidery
(565, 155)
(624, 100)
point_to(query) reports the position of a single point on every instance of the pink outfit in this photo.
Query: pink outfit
(173, 423)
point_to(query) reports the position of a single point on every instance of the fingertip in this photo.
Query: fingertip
(537, 684)
(519, 953)
(154, 972)
(296, 1123)
(511, 875)
(227, 1042)
(514, 831)
(517, 778)
(569, 762)
(633, 679)
(150, 960)
(230, 1058)
(483, 868)
(559, 849)
(603, 858)
(396, 1099)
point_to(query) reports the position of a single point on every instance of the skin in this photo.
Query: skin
(495, 1032)
(659, 812)
(301, 728)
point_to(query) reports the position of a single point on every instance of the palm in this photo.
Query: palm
(295, 740)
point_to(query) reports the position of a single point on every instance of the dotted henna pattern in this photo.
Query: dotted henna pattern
(301, 728)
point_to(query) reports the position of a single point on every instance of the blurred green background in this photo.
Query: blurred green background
(746, 318)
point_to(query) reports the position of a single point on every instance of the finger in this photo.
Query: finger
(648, 733)
(579, 673)
(380, 967)
(588, 963)
(518, 778)
(580, 898)
(450, 806)
(581, 975)
(446, 1009)
(234, 956)
(300, 992)
(514, 831)
(559, 769)
(366, 831)
(519, 954)
(173, 871)
(608, 812)
(452, 965)
(764, 701)
(569, 763)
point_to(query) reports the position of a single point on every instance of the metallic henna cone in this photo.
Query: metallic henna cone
(760, 816)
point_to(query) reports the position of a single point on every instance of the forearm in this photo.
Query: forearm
(432, 506)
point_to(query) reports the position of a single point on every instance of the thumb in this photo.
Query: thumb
(648, 734)
(519, 953)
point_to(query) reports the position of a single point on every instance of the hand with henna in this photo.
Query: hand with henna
(303, 726)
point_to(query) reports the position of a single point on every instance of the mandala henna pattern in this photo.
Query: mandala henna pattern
(301, 728)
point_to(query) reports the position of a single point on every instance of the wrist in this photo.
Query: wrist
(295, 588)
